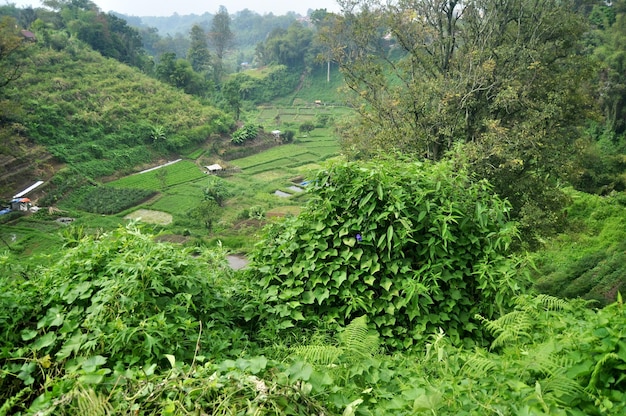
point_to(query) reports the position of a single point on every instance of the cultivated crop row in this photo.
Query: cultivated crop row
(181, 172)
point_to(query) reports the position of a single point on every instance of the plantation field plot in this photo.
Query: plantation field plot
(285, 165)
(283, 115)
(324, 152)
(270, 115)
(178, 200)
(270, 175)
(304, 159)
(30, 243)
(150, 217)
(308, 168)
(274, 154)
(319, 136)
(273, 165)
(165, 177)
(312, 150)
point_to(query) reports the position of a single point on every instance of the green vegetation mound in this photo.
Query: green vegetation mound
(414, 246)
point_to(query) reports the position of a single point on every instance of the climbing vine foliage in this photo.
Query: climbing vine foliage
(414, 246)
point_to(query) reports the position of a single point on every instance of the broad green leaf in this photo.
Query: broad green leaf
(297, 315)
(71, 346)
(28, 334)
(339, 277)
(389, 237)
(319, 226)
(53, 317)
(366, 199)
(307, 297)
(299, 371)
(352, 407)
(386, 283)
(349, 241)
(26, 371)
(95, 377)
(44, 341)
(321, 294)
(413, 393)
(429, 402)
(257, 364)
(171, 359)
(91, 363)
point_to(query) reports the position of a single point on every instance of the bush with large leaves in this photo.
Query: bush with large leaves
(415, 246)
(122, 299)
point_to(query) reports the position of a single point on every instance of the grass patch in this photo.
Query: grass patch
(269, 175)
(195, 154)
(159, 179)
(150, 217)
(284, 210)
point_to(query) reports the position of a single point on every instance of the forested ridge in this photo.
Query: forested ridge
(460, 251)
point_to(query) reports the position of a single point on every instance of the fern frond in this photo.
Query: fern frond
(318, 354)
(89, 403)
(562, 388)
(552, 303)
(597, 371)
(357, 339)
(510, 328)
(478, 366)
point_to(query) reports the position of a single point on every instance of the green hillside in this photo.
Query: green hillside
(99, 117)
(450, 243)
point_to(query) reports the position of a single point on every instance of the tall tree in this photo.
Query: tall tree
(198, 54)
(12, 48)
(180, 74)
(231, 92)
(322, 20)
(221, 37)
(610, 24)
(498, 77)
(288, 47)
(11, 43)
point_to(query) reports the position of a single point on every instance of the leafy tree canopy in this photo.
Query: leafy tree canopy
(500, 78)
(11, 45)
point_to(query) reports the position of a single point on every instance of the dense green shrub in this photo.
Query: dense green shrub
(118, 298)
(415, 246)
(601, 165)
(245, 133)
(306, 127)
(288, 136)
(277, 81)
(217, 190)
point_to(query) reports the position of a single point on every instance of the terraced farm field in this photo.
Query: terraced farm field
(165, 177)
(307, 151)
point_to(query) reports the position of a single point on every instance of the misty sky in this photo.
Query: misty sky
(182, 7)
